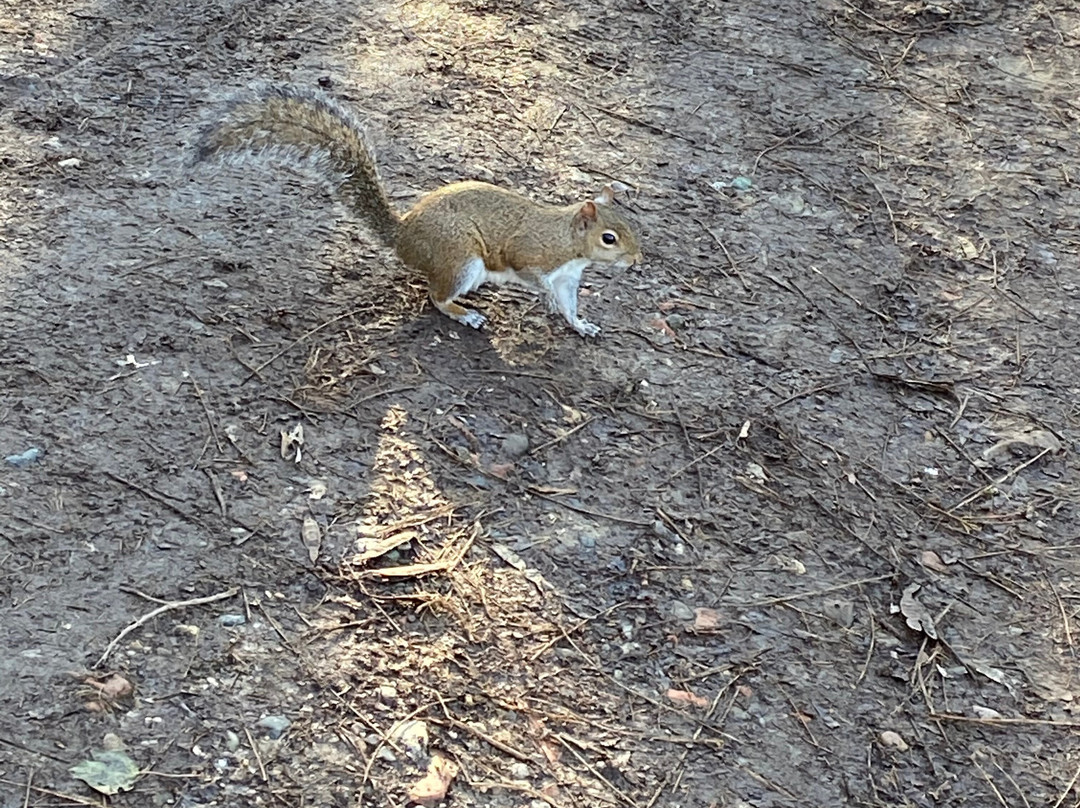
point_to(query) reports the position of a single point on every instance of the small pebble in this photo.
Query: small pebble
(275, 725)
(230, 620)
(516, 445)
(387, 694)
(662, 530)
(519, 771)
(680, 611)
(27, 458)
(232, 740)
(111, 742)
(893, 739)
(618, 564)
(742, 183)
(477, 480)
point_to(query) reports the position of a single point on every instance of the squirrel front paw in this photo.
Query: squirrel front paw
(585, 328)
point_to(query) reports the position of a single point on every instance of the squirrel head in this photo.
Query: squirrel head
(607, 236)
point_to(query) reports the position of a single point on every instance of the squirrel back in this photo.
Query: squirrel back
(307, 123)
(505, 229)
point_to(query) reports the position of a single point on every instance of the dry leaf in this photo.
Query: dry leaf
(552, 751)
(967, 247)
(463, 428)
(115, 687)
(531, 575)
(756, 471)
(572, 415)
(550, 790)
(372, 543)
(432, 788)
(706, 619)
(1035, 439)
(500, 470)
(312, 537)
(918, 616)
(688, 698)
(509, 556)
(985, 712)
(932, 561)
(660, 324)
(993, 674)
(291, 442)
(553, 490)
(789, 564)
(105, 692)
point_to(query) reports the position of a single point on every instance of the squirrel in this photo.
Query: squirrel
(461, 235)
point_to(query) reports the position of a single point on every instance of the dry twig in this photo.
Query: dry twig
(172, 605)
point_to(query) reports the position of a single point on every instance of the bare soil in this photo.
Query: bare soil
(796, 530)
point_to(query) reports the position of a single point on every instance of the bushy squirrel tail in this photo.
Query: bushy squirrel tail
(306, 123)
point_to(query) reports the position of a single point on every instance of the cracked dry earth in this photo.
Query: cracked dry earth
(798, 529)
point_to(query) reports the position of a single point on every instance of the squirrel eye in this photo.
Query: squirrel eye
(608, 237)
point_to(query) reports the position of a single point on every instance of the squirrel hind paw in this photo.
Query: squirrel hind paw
(471, 318)
(459, 313)
(585, 328)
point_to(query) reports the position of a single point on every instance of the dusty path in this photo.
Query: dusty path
(847, 369)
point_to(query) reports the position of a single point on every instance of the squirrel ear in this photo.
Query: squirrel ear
(607, 193)
(586, 215)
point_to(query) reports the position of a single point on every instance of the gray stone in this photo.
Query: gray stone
(516, 445)
(680, 611)
(275, 725)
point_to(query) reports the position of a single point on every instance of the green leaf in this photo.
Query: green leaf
(109, 772)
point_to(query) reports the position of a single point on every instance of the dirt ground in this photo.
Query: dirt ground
(796, 530)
